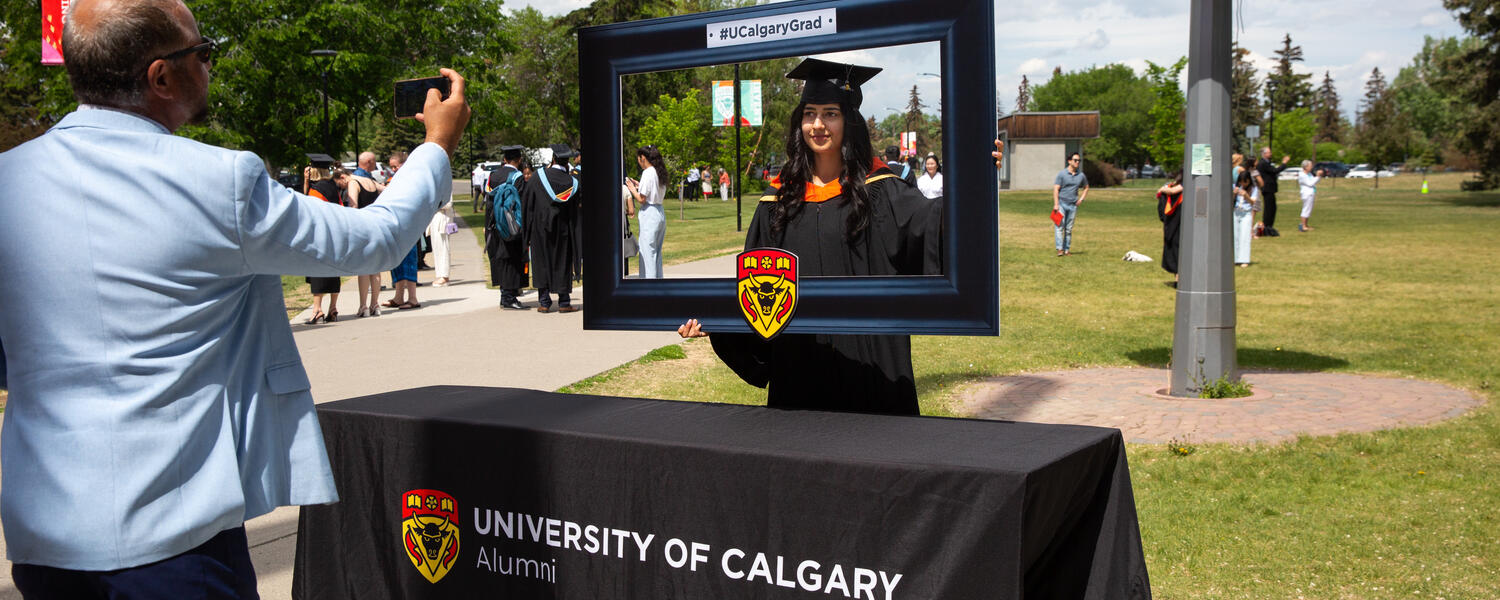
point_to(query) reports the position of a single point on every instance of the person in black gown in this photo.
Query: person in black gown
(551, 216)
(507, 257)
(1168, 209)
(319, 184)
(840, 217)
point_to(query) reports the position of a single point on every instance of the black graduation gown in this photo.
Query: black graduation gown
(577, 202)
(911, 173)
(1171, 228)
(331, 193)
(550, 228)
(507, 258)
(848, 373)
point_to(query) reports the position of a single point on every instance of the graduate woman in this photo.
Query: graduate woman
(842, 212)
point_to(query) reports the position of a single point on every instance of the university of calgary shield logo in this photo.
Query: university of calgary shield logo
(767, 289)
(429, 531)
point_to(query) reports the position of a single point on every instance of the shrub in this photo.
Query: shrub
(1102, 174)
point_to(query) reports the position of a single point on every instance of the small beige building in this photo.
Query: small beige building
(1037, 145)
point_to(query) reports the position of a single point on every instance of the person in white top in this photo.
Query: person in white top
(931, 181)
(648, 193)
(1307, 182)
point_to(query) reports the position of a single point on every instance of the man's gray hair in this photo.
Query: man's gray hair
(106, 60)
(1306, 164)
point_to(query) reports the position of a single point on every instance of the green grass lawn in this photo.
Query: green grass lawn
(1392, 282)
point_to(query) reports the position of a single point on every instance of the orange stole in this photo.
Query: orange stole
(828, 191)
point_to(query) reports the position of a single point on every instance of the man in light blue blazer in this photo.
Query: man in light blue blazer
(157, 400)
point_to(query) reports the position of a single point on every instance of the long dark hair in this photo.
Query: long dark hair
(653, 156)
(797, 172)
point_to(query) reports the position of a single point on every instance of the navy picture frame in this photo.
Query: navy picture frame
(964, 300)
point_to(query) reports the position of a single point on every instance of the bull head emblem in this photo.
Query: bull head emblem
(433, 535)
(765, 295)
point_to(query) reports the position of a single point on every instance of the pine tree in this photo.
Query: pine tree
(1286, 90)
(1326, 112)
(1023, 95)
(1381, 134)
(1476, 74)
(1245, 107)
(914, 108)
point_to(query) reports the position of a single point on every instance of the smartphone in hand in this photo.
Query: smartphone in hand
(411, 94)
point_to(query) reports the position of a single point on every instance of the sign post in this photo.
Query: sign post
(737, 102)
(739, 211)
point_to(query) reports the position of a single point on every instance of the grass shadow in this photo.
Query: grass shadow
(1472, 199)
(1267, 358)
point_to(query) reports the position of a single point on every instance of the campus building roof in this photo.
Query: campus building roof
(1050, 125)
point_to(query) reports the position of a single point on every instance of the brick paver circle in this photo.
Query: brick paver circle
(1286, 404)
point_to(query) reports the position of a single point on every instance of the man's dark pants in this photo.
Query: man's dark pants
(1270, 216)
(219, 569)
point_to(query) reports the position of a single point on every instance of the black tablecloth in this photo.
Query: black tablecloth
(527, 494)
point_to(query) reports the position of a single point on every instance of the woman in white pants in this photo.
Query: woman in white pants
(1244, 217)
(437, 230)
(1307, 183)
(648, 194)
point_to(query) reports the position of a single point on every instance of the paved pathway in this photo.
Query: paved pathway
(1285, 405)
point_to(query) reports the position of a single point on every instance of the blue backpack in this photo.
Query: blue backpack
(507, 207)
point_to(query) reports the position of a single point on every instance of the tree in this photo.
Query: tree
(1431, 107)
(1023, 95)
(266, 91)
(1381, 135)
(915, 118)
(1285, 89)
(1122, 99)
(1245, 108)
(675, 126)
(33, 97)
(1326, 112)
(1475, 74)
(1168, 116)
(1294, 135)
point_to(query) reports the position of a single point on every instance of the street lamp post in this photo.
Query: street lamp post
(327, 141)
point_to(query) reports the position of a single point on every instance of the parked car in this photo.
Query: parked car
(292, 181)
(1291, 172)
(1332, 168)
(1366, 172)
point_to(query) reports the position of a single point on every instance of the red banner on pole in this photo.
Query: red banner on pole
(53, 13)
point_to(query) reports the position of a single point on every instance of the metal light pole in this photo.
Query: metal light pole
(1203, 345)
(734, 182)
(327, 135)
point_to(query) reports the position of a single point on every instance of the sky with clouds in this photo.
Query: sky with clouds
(1346, 38)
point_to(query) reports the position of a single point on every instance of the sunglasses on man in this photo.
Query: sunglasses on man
(204, 50)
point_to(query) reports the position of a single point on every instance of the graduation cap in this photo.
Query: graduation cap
(512, 152)
(562, 151)
(320, 161)
(831, 82)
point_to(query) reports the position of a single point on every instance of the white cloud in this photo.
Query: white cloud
(1096, 40)
(1032, 66)
(551, 8)
(1435, 19)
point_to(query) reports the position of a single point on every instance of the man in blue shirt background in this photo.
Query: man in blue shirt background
(1069, 189)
